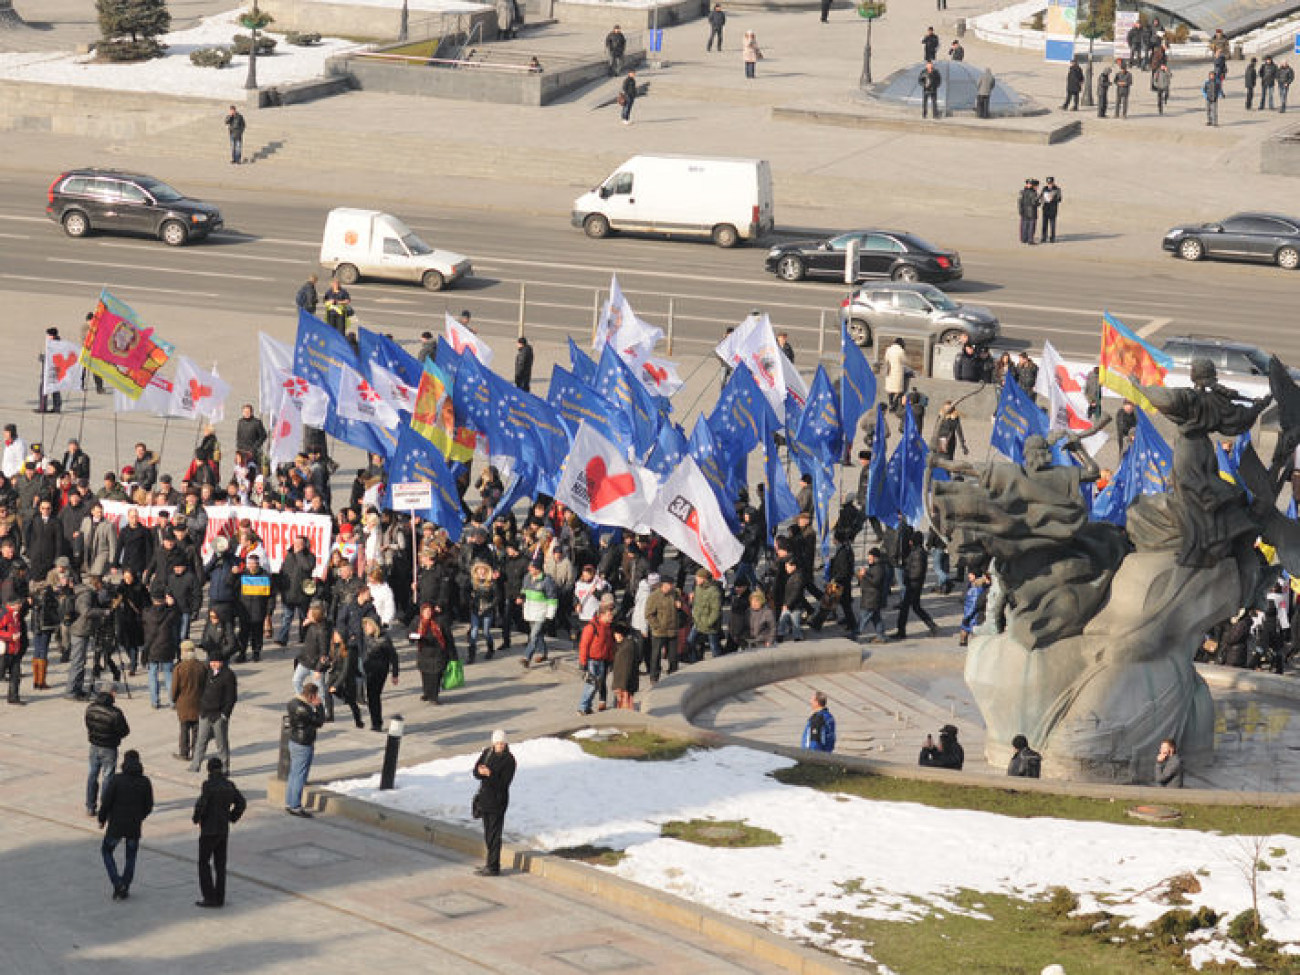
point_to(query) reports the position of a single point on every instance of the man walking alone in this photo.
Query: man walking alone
(235, 123)
(615, 47)
(219, 804)
(716, 21)
(495, 770)
(127, 802)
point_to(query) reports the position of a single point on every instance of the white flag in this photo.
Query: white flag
(620, 326)
(359, 401)
(1063, 387)
(198, 393)
(600, 486)
(390, 387)
(63, 371)
(312, 400)
(754, 343)
(156, 398)
(276, 359)
(462, 337)
(657, 375)
(286, 431)
(686, 513)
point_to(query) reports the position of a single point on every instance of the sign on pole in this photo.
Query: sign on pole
(1125, 21)
(412, 496)
(1297, 43)
(1060, 27)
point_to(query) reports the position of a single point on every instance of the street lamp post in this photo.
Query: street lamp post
(404, 27)
(870, 12)
(254, 21)
(1091, 30)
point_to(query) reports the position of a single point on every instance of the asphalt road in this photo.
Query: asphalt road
(270, 244)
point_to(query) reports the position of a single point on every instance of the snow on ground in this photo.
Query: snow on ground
(881, 860)
(173, 73)
(426, 6)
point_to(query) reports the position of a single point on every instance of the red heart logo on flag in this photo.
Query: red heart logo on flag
(367, 393)
(296, 387)
(604, 488)
(283, 430)
(458, 342)
(62, 363)
(657, 373)
(198, 391)
(1066, 381)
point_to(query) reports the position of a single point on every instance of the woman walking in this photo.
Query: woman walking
(313, 659)
(432, 654)
(343, 679)
(948, 432)
(751, 53)
(380, 660)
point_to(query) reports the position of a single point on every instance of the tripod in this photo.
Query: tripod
(106, 655)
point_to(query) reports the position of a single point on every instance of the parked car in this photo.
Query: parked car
(915, 307)
(1266, 237)
(86, 200)
(881, 254)
(360, 244)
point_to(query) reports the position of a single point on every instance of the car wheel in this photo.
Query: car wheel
(725, 235)
(433, 281)
(76, 224)
(596, 226)
(860, 332)
(907, 273)
(1288, 258)
(1191, 249)
(951, 336)
(790, 268)
(347, 274)
(173, 233)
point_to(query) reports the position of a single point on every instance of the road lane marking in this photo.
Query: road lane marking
(16, 236)
(21, 219)
(157, 249)
(101, 284)
(162, 270)
(1153, 326)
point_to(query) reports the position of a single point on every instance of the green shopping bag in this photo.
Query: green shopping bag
(454, 676)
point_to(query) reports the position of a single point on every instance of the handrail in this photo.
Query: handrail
(475, 31)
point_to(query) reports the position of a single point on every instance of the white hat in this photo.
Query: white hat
(499, 737)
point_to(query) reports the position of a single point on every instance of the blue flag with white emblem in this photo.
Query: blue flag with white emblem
(416, 459)
(617, 383)
(1146, 468)
(319, 355)
(819, 427)
(518, 424)
(575, 402)
(703, 448)
(581, 364)
(1017, 418)
(906, 470)
(740, 414)
(857, 385)
(669, 449)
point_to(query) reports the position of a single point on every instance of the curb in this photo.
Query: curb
(953, 128)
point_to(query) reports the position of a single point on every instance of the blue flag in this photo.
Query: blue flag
(669, 449)
(704, 450)
(581, 364)
(617, 383)
(318, 357)
(819, 427)
(517, 424)
(387, 354)
(882, 500)
(523, 485)
(906, 470)
(857, 386)
(1146, 468)
(1017, 418)
(740, 415)
(820, 468)
(576, 401)
(416, 459)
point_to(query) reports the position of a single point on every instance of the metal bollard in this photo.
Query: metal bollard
(391, 748)
(282, 763)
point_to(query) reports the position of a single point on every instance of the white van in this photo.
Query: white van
(371, 244)
(729, 200)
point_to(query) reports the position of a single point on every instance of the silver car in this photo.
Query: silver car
(915, 308)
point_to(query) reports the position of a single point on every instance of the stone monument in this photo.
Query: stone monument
(1093, 661)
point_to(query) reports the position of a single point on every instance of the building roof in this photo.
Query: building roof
(1233, 16)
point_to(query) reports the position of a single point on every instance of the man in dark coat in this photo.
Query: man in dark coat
(105, 728)
(127, 802)
(1250, 79)
(930, 44)
(298, 566)
(307, 296)
(1123, 85)
(947, 754)
(915, 564)
(1073, 85)
(1051, 200)
(929, 80)
(627, 95)
(1027, 207)
(523, 364)
(219, 804)
(495, 770)
(873, 578)
(717, 20)
(1103, 92)
(236, 125)
(615, 47)
(250, 433)
(42, 541)
(1267, 81)
(216, 702)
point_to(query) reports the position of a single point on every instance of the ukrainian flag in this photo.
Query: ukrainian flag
(1127, 362)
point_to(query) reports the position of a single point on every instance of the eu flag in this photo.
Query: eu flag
(669, 449)
(416, 459)
(319, 355)
(703, 448)
(740, 414)
(906, 470)
(576, 401)
(819, 427)
(617, 383)
(387, 354)
(882, 500)
(581, 364)
(857, 385)
(1016, 419)
(1146, 468)
(517, 424)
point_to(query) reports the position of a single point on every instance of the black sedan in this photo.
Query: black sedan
(881, 254)
(1266, 237)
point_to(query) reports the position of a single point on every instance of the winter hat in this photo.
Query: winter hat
(499, 737)
(652, 579)
(187, 648)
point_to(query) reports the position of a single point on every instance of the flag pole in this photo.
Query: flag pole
(162, 444)
(81, 427)
(117, 453)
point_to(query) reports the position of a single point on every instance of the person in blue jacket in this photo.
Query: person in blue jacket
(973, 605)
(819, 732)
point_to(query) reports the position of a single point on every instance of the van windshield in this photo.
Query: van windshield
(415, 245)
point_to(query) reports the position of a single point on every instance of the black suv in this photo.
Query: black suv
(83, 200)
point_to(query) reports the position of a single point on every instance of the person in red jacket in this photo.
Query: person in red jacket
(13, 644)
(595, 651)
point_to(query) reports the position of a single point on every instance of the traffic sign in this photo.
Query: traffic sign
(412, 496)
(1297, 43)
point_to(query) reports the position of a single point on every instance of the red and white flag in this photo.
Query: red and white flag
(754, 343)
(686, 513)
(357, 400)
(275, 366)
(620, 326)
(656, 374)
(286, 431)
(198, 393)
(313, 401)
(156, 398)
(600, 486)
(1063, 386)
(462, 338)
(63, 369)
(388, 385)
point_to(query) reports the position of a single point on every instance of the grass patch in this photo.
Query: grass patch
(600, 856)
(1231, 820)
(418, 49)
(640, 746)
(728, 834)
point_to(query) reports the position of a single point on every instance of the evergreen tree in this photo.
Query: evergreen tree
(136, 19)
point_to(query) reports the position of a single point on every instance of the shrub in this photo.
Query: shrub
(300, 39)
(210, 57)
(244, 44)
(125, 50)
(1246, 928)
(136, 19)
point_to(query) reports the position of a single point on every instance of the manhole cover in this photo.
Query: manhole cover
(310, 855)
(1154, 813)
(599, 958)
(457, 904)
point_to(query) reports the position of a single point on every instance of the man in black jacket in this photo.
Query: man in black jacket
(495, 770)
(307, 297)
(930, 80)
(717, 20)
(250, 434)
(298, 566)
(105, 728)
(1051, 200)
(947, 754)
(1267, 80)
(914, 569)
(216, 702)
(306, 715)
(524, 364)
(219, 804)
(615, 47)
(42, 540)
(1073, 85)
(127, 802)
(1027, 207)
(874, 581)
(627, 95)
